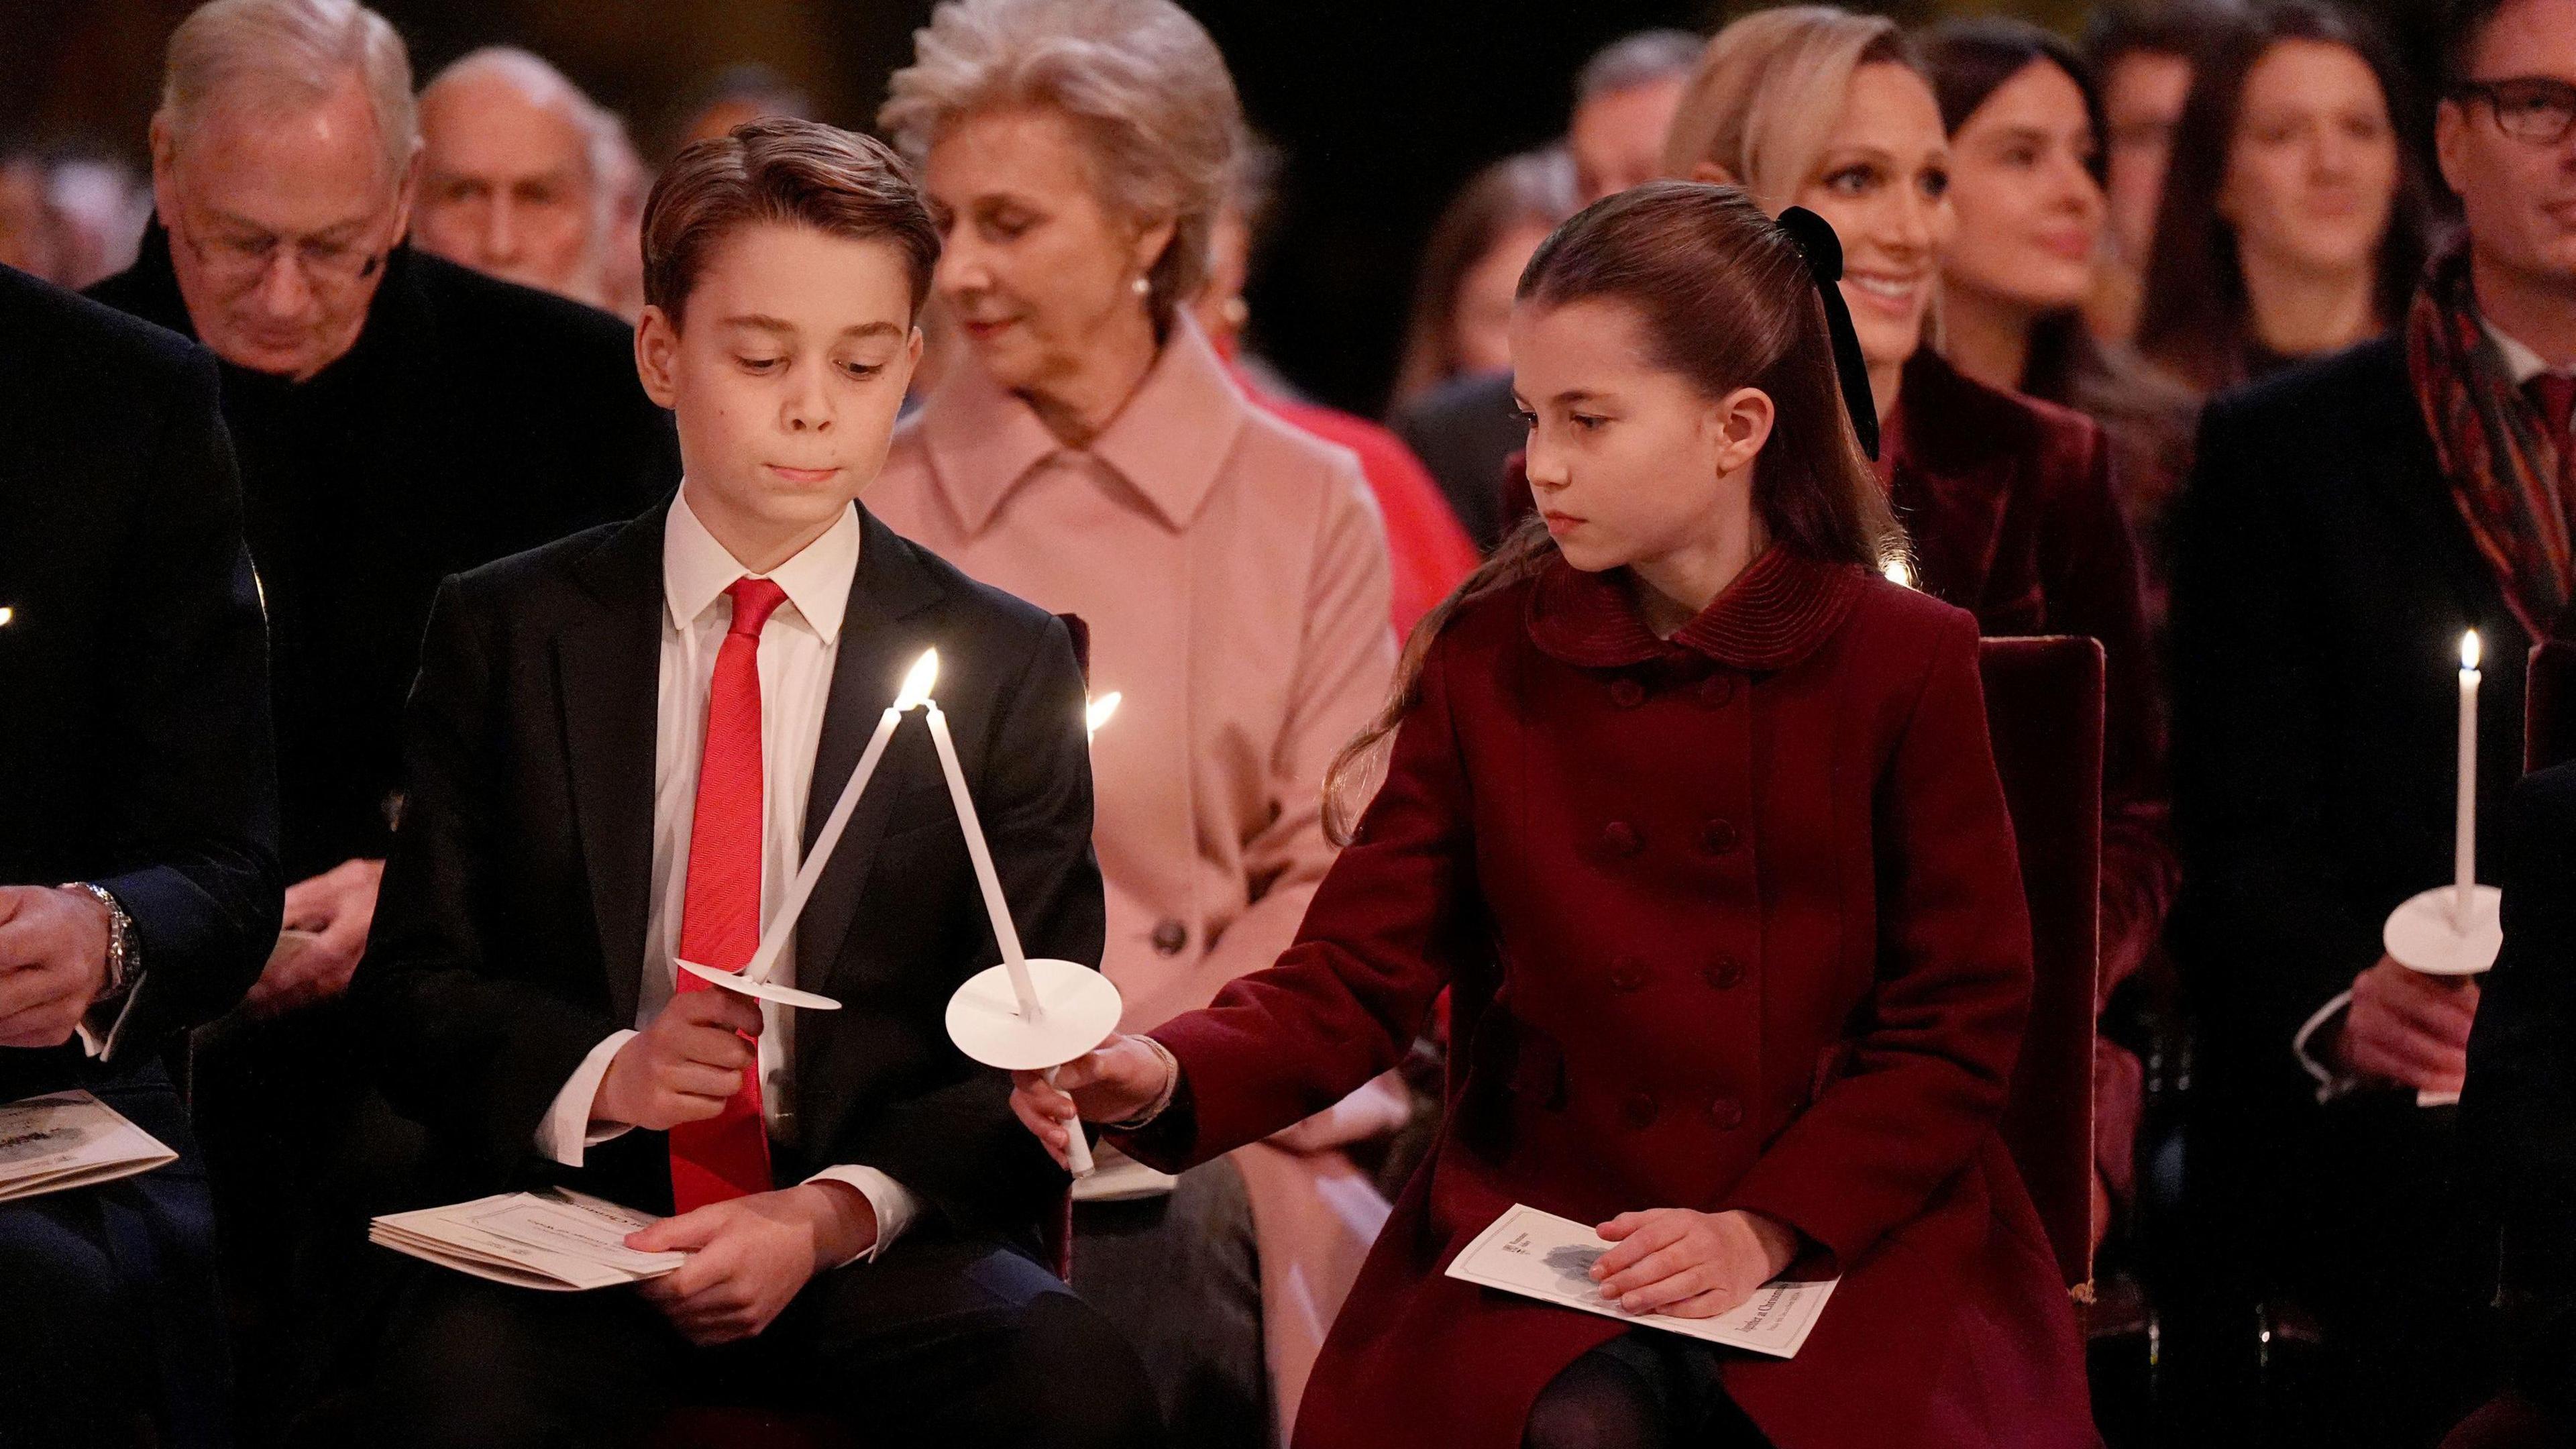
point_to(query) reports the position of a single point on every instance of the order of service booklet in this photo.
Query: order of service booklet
(70, 1139)
(1542, 1256)
(558, 1240)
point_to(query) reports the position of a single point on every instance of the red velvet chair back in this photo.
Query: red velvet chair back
(2044, 715)
(2549, 706)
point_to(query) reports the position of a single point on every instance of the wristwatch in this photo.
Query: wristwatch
(124, 951)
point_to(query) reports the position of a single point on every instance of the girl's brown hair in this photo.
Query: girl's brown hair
(1726, 299)
(2198, 320)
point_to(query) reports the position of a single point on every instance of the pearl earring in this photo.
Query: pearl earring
(1142, 287)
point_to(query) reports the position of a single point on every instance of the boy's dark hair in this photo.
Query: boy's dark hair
(802, 173)
(2153, 27)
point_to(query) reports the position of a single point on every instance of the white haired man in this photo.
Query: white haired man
(516, 173)
(398, 419)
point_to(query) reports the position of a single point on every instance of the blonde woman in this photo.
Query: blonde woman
(1088, 450)
(2008, 499)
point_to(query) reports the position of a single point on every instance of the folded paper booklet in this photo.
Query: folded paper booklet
(558, 1240)
(1539, 1255)
(70, 1139)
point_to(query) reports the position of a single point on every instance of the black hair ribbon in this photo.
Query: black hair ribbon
(1814, 237)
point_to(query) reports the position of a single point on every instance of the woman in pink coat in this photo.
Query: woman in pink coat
(1087, 450)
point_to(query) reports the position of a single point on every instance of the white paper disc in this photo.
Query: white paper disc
(2422, 935)
(764, 990)
(1079, 1011)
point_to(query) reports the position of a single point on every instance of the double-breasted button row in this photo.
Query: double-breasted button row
(1717, 836)
(1641, 1109)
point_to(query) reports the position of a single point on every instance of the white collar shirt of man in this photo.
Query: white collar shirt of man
(797, 650)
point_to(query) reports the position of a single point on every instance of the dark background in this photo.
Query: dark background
(1384, 106)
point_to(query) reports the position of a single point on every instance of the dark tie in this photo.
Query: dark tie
(2555, 396)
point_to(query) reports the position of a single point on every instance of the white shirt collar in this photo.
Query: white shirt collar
(696, 570)
(2520, 362)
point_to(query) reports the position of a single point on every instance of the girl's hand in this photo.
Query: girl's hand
(1112, 1084)
(1691, 1264)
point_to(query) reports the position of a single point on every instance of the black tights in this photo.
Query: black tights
(1643, 1390)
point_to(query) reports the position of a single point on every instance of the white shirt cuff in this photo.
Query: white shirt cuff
(2330, 1083)
(892, 1201)
(565, 1131)
(101, 1044)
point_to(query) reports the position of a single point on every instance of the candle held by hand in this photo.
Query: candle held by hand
(2464, 839)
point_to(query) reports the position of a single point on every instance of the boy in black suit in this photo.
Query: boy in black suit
(620, 747)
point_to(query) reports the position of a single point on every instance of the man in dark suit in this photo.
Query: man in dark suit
(2346, 524)
(134, 761)
(397, 418)
(2516, 1113)
(620, 747)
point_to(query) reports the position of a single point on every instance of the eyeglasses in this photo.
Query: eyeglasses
(2527, 108)
(239, 259)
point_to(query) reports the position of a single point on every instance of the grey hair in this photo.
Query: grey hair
(1636, 60)
(1145, 86)
(286, 53)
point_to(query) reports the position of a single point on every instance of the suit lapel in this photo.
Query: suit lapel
(608, 678)
(876, 648)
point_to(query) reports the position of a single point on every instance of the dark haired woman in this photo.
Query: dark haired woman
(2293, 223)
(1695, 813)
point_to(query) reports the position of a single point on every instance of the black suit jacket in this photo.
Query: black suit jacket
(510, 934)
(134, 736)
(472, 419)
(2518, 1113)
(2321, 582)
(1464, 431)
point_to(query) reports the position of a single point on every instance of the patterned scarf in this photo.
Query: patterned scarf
(2503, 469)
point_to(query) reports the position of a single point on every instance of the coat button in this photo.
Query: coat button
(1621, 838)
(1722, 974)
(1170, 937)
(1640, 1111)
(1628, 975)
(1718, 689)
(1718, 837)
(1627, 693)
(1727, 1113)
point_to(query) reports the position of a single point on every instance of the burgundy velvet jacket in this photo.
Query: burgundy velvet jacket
(2009, 501)
(1733, 921)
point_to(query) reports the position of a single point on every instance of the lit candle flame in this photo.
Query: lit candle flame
(916, 685)
(2469, 650)
(1897, 573)
(1099, 711)
(6, 614)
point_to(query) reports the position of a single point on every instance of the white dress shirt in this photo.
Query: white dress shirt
(797, 649)
(2521, 365)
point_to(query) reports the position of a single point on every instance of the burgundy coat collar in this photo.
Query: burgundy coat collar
(1774, 614)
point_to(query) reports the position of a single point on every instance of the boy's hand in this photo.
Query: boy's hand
(748, 1257)
(684, 1066)
(1691, 1264)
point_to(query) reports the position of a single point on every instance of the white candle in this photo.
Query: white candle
(782, 927)
(2464, 843)
(1013, 960)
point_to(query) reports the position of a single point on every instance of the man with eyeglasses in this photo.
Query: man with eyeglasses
(2347, 523)
(398, 418)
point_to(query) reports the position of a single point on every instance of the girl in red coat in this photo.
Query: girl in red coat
(1695, 813)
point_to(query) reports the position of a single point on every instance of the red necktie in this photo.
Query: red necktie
(2555, 396)
(727, 1155)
